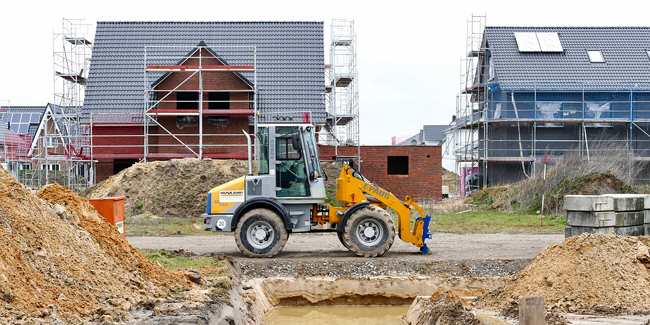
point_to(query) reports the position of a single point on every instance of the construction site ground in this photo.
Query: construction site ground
(466, 265)
(63, 251)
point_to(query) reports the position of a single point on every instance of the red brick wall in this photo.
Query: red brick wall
(424, 180)
(126, 139)
(104, 169)
(213, 136)
(212, 80)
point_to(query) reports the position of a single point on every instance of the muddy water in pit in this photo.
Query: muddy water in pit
(342, 315)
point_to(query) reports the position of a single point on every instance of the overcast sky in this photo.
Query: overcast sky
(408, 51)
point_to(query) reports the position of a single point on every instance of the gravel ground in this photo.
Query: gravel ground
(445, 247)
(323, 255)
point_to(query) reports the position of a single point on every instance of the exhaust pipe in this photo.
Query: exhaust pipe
(250, 162)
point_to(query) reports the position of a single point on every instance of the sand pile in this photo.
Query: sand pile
(441, 309)
(593, 273)
(69, 264)
(173, 188)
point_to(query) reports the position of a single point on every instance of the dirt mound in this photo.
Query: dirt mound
(525, 196)
(452, 180)
(69, 264)
(173, 188)
(444, 309)
(589, 273)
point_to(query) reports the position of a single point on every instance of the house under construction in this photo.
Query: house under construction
(531, 95)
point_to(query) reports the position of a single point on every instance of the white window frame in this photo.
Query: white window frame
(52, 141)
(51, 167)
(596, 56)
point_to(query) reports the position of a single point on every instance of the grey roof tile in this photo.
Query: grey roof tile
(433, 132)
(290, 61)
(627, 63)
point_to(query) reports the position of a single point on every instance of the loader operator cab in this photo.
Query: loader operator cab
(289, 153)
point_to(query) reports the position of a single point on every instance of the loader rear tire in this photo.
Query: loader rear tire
(260, 233)
(369, 232)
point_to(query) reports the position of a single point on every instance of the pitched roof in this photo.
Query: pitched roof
(23, 120)
(433, 132)
(624, 48)
(290, 61)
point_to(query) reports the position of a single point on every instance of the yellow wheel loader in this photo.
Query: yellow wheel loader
(288, 196)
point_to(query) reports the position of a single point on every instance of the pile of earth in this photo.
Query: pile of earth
(441, 309)
(451, 179)
(525, 196)
(61, 261)
(589, 273)
(171, 188)
(177, 187)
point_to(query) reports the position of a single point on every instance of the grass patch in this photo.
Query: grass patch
(495, 222)
(144, 226)
(176, 262)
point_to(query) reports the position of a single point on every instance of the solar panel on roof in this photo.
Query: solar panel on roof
(34, 118)
(527, 42)
(549, 42)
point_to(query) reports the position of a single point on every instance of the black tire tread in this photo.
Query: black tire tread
(377, 213)
(271, 216)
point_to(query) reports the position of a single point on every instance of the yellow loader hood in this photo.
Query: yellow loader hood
(223, 197)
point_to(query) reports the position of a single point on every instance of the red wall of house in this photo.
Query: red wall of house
(230, 133)
(212, 80)
(424, 180)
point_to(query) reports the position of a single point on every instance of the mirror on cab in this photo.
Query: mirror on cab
(295, 142)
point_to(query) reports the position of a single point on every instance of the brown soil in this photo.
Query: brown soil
(63, 264)
(450, 179)
(597, 184)
(445, 309)
(605, 274)
(173, 188)
(512, 311)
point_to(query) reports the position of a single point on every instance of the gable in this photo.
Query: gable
(212, 80)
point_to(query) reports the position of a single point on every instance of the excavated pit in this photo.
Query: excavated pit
(275, 300)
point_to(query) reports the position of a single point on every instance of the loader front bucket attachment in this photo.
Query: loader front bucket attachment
(425, 234)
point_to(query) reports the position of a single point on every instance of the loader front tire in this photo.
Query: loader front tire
(260, 233)
(369, 232)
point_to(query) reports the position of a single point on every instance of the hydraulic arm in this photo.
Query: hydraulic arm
(352, 188)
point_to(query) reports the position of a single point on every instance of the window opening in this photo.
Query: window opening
(187, 100)
(595, 56)
(219, 100)
(398, 165)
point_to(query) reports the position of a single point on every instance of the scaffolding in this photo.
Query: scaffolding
(506, 135)
(342, 92)
(49, 144)
(466, 135)
(198, 87)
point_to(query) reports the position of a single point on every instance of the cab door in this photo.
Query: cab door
(291, 171)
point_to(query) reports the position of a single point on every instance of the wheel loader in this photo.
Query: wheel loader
(288, 196)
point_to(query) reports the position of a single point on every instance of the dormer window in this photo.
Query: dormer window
(595, 56)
